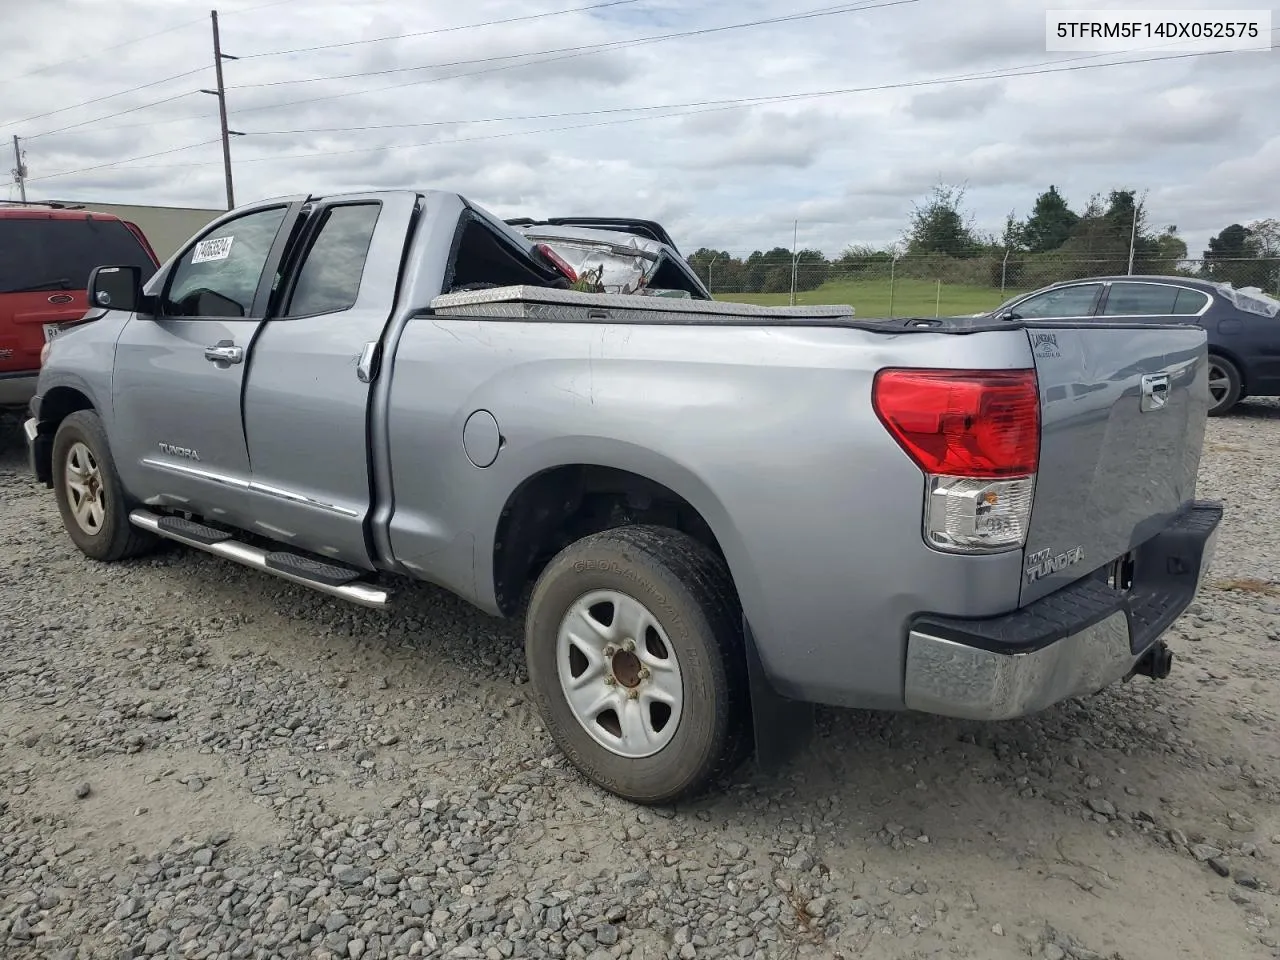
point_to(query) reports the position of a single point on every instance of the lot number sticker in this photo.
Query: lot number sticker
(207, 250)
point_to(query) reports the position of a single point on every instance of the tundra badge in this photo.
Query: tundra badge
(1042, 563)
(179, 451)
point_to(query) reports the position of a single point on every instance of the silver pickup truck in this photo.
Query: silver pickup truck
(709, 513)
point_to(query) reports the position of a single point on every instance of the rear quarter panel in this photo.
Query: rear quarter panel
(768, 431)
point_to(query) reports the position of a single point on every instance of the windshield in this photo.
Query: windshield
(60, 254)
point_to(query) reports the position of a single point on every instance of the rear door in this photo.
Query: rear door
(1153, 301)
(311, 370)
(179, 373)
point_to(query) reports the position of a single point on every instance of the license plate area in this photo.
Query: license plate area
(51, 331)
(1120, 573)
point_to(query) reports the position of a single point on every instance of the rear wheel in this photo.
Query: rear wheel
(89, 493)
(1225, 385)
(634, 647)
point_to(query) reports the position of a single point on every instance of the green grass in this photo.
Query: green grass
(870, 298)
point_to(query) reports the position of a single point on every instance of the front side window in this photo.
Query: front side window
(329, 280)
(219, 275)
(1074, 301)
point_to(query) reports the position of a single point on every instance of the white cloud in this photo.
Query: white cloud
(1194, 132)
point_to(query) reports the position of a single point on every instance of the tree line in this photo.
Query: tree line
(1053, 243)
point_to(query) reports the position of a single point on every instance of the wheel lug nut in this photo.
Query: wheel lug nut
(644, 673)
(633, 694)
(610, 650)
(629, 646)
(609, 680)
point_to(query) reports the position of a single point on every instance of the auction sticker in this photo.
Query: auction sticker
(207, 250)
(1178, 31)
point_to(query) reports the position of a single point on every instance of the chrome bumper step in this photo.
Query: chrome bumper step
(330, 578)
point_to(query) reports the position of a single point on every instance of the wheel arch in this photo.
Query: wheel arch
(56, 405)
(564, 502)
(1236, 361)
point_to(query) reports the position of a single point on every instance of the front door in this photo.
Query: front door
(311, 373)
(179, 371)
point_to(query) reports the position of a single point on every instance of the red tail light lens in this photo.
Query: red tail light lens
(963, 423)
(557, 261)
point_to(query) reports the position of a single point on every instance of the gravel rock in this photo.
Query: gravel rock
(292, 803)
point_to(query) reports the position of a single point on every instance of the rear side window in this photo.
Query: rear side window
(1189, 302)
(60, 254)
(329, 280)
(1140, 300)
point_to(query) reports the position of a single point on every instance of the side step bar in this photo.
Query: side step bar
(330, 578)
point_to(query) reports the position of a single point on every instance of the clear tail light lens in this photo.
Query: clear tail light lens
(976, 436)
(966, 514)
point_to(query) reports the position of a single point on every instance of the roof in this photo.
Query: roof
(1143, 277)
(35, 212)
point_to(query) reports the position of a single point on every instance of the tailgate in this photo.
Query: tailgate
(1123, 412)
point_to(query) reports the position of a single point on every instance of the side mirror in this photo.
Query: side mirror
(116, 288)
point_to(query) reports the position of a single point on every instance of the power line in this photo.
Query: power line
(588, 51)
(439, 30)
(573, 52)
(993, 74)
(275, 3)
(118, 113)
(101, 50)
(705, 107)
(109, 96)
(116, 163)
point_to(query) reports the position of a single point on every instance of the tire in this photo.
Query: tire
(1230, 385)
(96, 515)
(692, 642)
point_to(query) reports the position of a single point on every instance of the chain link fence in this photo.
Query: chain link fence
(939, 285)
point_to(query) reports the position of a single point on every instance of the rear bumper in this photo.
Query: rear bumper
(1071, 643)
(17, 389)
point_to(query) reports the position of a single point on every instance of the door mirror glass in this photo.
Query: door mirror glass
(115, 288)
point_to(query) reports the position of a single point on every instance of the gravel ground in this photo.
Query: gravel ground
(202, 761)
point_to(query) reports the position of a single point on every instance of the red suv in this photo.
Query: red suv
(46, 256)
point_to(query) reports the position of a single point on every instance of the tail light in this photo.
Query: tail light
(976, 436)
(557, 261)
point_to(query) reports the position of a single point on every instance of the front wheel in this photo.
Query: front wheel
(89, 492)
(634, 647)
(1225, 385)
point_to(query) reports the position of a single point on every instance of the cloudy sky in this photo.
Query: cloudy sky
(539, 116)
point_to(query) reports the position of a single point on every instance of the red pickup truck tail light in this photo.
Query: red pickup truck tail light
(976, 436)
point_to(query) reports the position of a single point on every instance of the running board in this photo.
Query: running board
(338, 581)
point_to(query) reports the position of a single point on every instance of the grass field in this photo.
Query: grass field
(870, 298)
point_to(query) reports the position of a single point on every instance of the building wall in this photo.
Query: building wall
(166, 228)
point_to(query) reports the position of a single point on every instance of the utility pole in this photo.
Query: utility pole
(221, 94)
(1133, 234)
(19, 170)
(795, 233)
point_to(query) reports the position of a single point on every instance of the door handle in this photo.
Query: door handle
(224, 351)
(367, 366)
(1155, 392)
